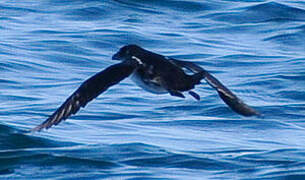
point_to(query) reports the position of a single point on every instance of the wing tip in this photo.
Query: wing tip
(36, 129)
(40, 127)
(237, 105)
(248, 111)
(244, 109)
(45, 125)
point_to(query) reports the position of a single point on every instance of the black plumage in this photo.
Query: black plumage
(154, 73)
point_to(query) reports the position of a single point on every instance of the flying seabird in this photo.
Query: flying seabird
(153, 72)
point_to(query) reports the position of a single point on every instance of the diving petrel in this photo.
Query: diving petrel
(153, 72)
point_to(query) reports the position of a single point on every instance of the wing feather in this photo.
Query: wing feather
(89, 90)
(225, 94)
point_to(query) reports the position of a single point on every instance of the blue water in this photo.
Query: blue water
(255, 47)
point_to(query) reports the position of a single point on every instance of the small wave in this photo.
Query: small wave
(187, 6)
(265, 12)
(289, 39)
(256, 48)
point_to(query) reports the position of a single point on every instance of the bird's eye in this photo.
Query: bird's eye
(127, 52)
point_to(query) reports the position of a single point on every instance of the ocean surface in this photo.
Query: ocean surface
(255, 47)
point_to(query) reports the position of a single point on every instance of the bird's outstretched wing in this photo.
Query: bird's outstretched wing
(89, 90)
(225, 94)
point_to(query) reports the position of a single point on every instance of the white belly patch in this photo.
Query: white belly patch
(151, 86)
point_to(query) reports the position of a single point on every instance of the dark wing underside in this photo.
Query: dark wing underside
(225, 94)
(89, 90)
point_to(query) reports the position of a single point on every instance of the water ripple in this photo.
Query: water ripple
(256, 48)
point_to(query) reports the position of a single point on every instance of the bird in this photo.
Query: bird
(153, 72)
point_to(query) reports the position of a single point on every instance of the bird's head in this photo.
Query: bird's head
(128, 52)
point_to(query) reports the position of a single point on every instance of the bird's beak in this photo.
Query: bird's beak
(116, 56)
